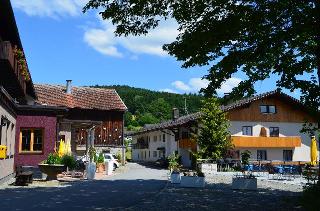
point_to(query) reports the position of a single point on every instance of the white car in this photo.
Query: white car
(110, 157)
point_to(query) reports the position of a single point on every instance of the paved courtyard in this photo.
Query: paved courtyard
(141, 187)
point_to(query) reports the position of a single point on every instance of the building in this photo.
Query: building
(84, 116)
(268, 125)
(15, 85)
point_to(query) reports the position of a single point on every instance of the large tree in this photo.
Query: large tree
(258, 37)
(214, 137)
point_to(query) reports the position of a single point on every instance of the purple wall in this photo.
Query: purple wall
(49, 126)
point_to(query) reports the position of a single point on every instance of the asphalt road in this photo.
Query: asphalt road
(118, 192)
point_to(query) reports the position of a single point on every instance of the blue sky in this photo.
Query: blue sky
(62, 43)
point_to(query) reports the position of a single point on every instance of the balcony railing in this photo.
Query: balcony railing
(7, 53)
(266, 142)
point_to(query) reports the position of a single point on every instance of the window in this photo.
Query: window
(247, 130)
(164, 137)
(155, 138)
(274, 131)
(31, 140)
(287, 155)
(155, 154)
(261, 154)
(268, 109)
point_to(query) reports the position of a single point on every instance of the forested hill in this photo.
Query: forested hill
(147, 107)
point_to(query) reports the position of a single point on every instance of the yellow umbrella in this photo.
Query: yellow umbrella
(68, 147)
(62, 147)
(313, 151)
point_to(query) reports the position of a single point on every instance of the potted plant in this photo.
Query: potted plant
(69, 162)
(175, 177)
(100, 163)
(193, 179)
(247, 181)
(52, 166)
(91, 167)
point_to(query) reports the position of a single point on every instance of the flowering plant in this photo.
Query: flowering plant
(22, 63)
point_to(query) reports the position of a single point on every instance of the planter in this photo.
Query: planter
(242, 183)
(175, 178)
(209, 168)
(192, 182)
(91, 171)
(52, 170)
(100, 167)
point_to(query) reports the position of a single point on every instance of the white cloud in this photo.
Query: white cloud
(181, 86)
(50, 8)
(195, 84)
(104, 41)
(228, 85)
(168, 90)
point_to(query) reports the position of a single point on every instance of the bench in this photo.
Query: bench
(23, 178)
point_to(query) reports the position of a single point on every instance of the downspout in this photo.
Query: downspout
(123, 146)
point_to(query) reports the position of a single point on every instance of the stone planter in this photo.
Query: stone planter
(52, 170)
(175, 178)
(209, 168)
(192, 182)
(91, 171)
(242, 183)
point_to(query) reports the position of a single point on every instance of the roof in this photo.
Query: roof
(237, 104)
(80, 97)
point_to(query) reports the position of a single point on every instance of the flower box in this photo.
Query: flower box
(192, 182)
(175, 178)
(51, 170)
(243, 183)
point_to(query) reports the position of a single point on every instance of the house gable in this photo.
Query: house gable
(287, 110)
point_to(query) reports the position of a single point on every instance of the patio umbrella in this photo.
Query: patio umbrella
(314, 150)
(62, 147)
(68, 147)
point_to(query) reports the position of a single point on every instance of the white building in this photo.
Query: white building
(268, 125)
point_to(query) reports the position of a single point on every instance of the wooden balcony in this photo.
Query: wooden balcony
(10, 75)
(188, 144)
(266, 142)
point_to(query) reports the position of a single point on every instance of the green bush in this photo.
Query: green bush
(310, 197)
(68, 161)
(100, 158)
(53, 158)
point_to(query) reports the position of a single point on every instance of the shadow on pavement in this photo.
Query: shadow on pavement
(86, 195)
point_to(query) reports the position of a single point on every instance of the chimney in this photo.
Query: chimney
(175, 113)
(226, 99)
(68, 87)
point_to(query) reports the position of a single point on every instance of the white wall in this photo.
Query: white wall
(143, 154)
(8, 139)
(285, 129)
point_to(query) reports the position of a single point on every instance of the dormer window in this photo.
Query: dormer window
(268, 109)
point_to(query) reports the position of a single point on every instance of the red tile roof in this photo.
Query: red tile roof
(80, 97)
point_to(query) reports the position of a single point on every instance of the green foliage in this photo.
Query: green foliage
(118, 156)
(100, 158)
(310, 197)
(214, 141)
(53, 158)
(173, 162)
(148, 107)
(92, 154)
(257, 38)
(245, 155)
(68, 161)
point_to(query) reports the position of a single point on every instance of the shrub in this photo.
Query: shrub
(53, 158)
(68, 161)
(100, 158)
(118, 157)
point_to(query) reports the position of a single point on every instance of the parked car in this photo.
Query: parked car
(110, 157)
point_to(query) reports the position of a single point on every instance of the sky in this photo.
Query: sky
(60, 43)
